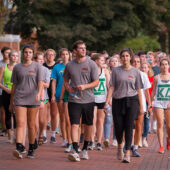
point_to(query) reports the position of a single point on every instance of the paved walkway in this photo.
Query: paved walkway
(52, 156)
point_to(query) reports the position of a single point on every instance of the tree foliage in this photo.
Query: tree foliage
(102, 24)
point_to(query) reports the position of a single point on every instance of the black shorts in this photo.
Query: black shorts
(1, 100)
(28, 106)
(100, 105)
(76, 110)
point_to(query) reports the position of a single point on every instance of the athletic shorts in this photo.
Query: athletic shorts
(161, 104)
(64, 100)
(76, 110)
(100, 105)
(28, 106)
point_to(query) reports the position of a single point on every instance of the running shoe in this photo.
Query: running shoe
(91, 146)
(30, 154)
(84, 155)
(23, 149)
(120, 154)
(161, 150)
(114, 143)
(126, 159)
(135, 153)
(99, 147)
(145, 143)
(57, 131)
(3, 132)
(44, 139)
(74, 157)
(69, 148)
(168, 144)
(64, 144)
(79, 150)
(140, 143)
(17, 154)
(106, 143)
(53, 140)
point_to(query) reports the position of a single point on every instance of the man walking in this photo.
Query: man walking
(80, 77)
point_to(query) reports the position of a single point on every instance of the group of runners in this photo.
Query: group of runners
(82, 92)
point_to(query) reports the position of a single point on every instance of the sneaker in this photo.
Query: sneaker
(168, 144)
(53, 140)
(126, 159)
(11, 141)
(69, 148)
(74, 157)
(79, 150)
(99, 147)
(17, 154)
(120, 154)
(84, 155)
(57, 131)
(145, 143)
(48, 126)
(106, 143)
(23, 149)
(114, 143)
(30, 154)
(140, 143)
(161, 150)
(135, 153)
(44, 139)
(64, 144)
(91, 146)
(3, 132)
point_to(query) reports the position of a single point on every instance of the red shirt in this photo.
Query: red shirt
(151, 81)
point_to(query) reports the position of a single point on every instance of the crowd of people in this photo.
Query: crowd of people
(82, 93)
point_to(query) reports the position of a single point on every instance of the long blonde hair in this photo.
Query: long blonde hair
(150, 72)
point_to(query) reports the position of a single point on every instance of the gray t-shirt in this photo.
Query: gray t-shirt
(81, 73)
(26, 79)
(2, 64)
(125, 82)
(46, 75)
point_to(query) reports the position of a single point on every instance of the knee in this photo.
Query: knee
(75, 126)
(20, 124)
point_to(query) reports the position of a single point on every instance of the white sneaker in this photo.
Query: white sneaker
(74, 157)
(64, 144)
(145, 143)
(140, 143)
(84, 155)
(114, 143)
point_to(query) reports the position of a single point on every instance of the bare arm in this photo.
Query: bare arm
(107, 75)
(53, 89)
(12, 97)
(40, 89)
(148, 99)
(46, 84)
(91, 85)
(140, 101)
(154, 88)
(109, 95)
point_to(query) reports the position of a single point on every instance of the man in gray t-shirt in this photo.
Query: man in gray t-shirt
(80, 77)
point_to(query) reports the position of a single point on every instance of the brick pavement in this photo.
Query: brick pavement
(52, 156)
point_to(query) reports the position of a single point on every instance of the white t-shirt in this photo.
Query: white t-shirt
(146, 85)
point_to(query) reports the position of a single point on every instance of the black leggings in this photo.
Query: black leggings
(124, 113)
(6, 103)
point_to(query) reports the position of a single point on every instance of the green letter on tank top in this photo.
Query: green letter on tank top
(101, 89)
(163, 92)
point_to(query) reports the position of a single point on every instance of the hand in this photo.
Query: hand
(149, 109)
(37, 98)
(168, 106)
(81, 87)
(11, 107)
(53, 99)
(61, 101)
